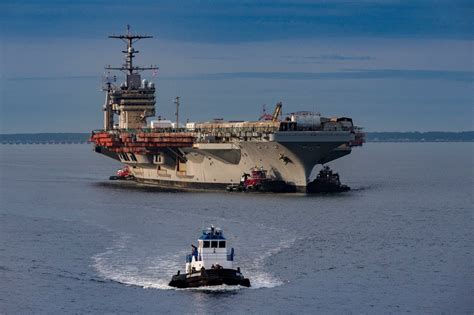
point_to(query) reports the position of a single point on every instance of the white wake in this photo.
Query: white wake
(122, 264)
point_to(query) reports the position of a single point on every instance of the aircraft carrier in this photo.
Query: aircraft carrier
(212, 155)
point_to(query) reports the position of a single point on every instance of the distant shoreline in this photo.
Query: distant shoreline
(82, 138)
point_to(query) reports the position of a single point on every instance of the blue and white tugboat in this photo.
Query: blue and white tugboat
(210, 263)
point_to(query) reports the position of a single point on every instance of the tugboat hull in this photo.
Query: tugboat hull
(271, 186)
(274, 186)
(209, 277)
(326, 182)
(324, 187)
(115, 177)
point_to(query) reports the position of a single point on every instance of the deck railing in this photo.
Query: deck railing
(219, 256)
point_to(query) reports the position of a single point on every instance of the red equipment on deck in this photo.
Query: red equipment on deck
(141, 142)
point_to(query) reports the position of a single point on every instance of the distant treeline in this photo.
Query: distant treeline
(431, 136)
(64, 138)
(44, 138)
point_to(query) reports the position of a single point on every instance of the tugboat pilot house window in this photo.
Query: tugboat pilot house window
(213, 244)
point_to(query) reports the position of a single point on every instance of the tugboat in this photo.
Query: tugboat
(210, 263)
(123, 174)
(258, 180)
(326, 182)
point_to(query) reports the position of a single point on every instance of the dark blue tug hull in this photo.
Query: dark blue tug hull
(209, 277)
(325, 187)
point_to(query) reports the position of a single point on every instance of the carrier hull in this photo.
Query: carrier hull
(214, 166)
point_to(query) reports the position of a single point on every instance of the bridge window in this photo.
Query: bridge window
(221, 244)
(214, 244)
(133, 157)
(206, 244)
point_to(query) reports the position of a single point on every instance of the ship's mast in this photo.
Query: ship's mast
(130, 39)
(176, 101)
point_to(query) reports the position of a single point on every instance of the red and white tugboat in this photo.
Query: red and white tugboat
(123, 174)
(210, 263)
(258, 180)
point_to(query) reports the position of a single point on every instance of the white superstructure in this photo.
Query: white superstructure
(211, 253)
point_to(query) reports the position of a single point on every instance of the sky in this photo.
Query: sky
(390, 65)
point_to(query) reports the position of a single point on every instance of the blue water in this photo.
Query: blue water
(400, 241)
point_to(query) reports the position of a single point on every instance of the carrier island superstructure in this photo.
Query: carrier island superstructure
(212, 155)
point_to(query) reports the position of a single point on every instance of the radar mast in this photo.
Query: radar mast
(134, 100)
(129, 39)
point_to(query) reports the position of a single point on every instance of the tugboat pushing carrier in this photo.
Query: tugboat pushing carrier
(327, 182)
(210, 264)
(259, 181)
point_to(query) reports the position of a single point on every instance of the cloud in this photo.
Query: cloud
(241, 21)
(341, 57)
(326, 57)
(350, 74)
(52, 77)
(212, 58)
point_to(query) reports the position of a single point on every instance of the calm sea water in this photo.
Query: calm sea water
(400, 241)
